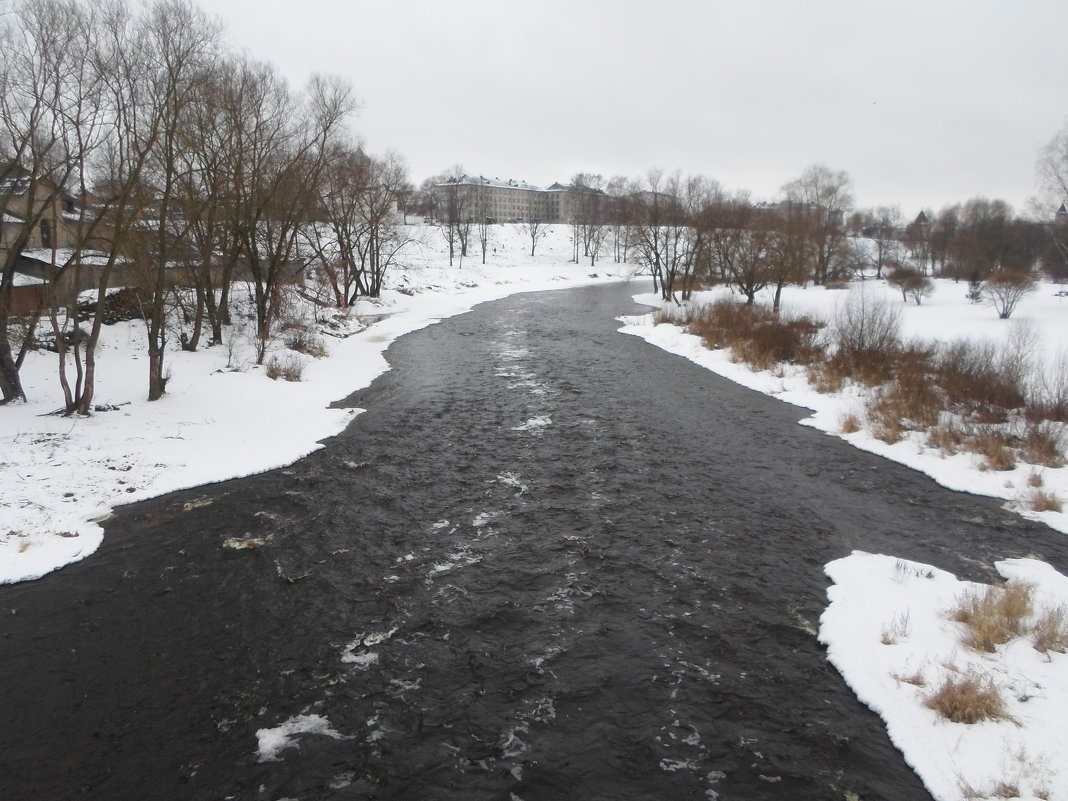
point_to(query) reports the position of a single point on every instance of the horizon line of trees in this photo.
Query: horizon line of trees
(689, 229)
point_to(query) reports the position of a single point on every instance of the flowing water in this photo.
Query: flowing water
(549, 562)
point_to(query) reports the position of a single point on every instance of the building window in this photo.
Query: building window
(46, 233)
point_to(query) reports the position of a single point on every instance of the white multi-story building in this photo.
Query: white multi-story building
(473, 198)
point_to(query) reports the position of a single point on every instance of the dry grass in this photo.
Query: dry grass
(908, 403)
(995, 447)
(969, 697)
(1050, 631)
(291, 368)
(994, 616)
(303, 339)
(975, 384)
(948, 437)
(1035, 480)
(826, 378)
(1043, 444)
(916, 679)
(898, 629)
(756, 335)
(850, 424)
(1044, 501)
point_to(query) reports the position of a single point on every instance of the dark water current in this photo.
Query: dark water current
(550, 562)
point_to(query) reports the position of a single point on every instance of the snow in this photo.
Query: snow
(222, 417)
(886, 628)
(886, 624)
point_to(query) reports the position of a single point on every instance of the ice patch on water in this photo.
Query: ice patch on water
(273, 741)
(535, 423)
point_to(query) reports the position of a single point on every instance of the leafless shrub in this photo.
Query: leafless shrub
(1005, 289)
(1048, 392)
(975, 382)
(969, 697)
(867, 334)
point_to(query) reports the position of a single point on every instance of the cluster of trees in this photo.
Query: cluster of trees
(178, 162)
(688, 229)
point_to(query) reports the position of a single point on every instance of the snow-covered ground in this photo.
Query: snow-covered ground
(887, 627)
(222, 417)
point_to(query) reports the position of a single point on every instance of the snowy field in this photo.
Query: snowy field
(222, 417)
(887, 628)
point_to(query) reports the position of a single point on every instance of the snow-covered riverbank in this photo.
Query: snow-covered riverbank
(222, 417)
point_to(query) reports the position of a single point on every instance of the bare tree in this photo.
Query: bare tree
(483, 221)
(883, 232)
(537, 230)
(454, 200)
(618, 214)
(660, 229)
(283, 145)
(52, 119)
(789, 251)
(1005, 289)
(741, 246)
(825, 197)
(175, 44)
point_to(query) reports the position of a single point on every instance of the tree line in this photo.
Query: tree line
(688, 230)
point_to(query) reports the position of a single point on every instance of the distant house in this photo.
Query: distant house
(45, 224)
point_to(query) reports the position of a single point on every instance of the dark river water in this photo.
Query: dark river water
(549, 562)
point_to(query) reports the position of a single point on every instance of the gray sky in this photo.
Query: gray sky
(922, 103)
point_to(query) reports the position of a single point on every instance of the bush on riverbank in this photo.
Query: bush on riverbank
(965, 395)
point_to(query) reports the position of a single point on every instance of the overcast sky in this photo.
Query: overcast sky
(922, 103)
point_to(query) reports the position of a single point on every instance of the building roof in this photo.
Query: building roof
(482, 180)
